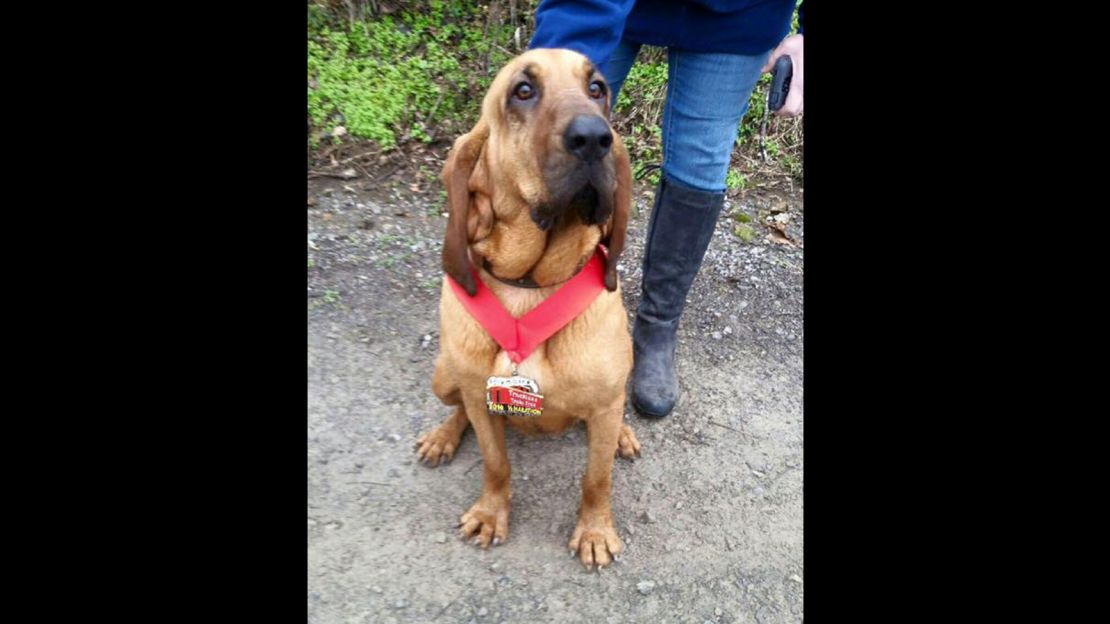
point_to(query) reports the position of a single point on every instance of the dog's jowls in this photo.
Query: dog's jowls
(532, 189)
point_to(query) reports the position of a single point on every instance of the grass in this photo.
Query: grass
(399, 81)
(397, 78)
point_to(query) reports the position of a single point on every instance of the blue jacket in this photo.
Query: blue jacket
(595, 27)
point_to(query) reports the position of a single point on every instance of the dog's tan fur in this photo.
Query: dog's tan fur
(496, 175)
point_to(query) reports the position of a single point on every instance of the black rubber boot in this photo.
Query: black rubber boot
(679, 232)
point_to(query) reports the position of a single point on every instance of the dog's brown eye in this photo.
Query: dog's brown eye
(524, 91)
(596, 89)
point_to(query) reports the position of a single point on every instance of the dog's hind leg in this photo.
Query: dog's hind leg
(628, 446)
(440, 443)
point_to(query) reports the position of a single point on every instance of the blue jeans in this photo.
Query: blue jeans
(707, 96)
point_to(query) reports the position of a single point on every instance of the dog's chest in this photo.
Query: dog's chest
(566, 390)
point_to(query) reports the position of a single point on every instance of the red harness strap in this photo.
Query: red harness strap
(519, 337)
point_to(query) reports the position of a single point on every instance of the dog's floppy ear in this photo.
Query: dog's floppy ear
(456, 177)
(618, 223)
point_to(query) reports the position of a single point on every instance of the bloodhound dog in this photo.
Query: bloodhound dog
(532, 190)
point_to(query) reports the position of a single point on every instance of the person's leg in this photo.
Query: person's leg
(707, 96)
(617, 67)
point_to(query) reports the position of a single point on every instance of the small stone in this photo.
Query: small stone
(728, 330)
(439, 537)
(758, 491)
(758, 474)
(376, 589)
(483, 612)
(495, 566)
(401, 604)
(796, 578)
(393, 437)
(645, 587)
(716, 335)
(646, 517)
(717, 612)
(678, 505)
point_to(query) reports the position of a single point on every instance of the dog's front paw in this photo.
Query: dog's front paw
(487, 521)
(595, 541)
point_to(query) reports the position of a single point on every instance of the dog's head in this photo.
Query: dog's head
(542, 149)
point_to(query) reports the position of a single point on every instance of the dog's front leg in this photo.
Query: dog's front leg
(595, 540)
(488, 519)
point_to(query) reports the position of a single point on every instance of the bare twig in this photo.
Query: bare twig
(357, 156)
(359, 167)
(384, 176)
(763, 135)
(445, 607)
(713, 422)
(485, 33)
(327, 174)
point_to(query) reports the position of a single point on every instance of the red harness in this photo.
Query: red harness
(519, 337)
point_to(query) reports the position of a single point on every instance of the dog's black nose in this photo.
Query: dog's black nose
(588, 137)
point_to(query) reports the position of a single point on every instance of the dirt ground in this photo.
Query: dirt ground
(711, 515)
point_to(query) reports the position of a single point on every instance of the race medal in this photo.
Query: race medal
(513, 396)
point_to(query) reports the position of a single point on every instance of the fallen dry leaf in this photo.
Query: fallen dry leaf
(777, 237)
(778, 204)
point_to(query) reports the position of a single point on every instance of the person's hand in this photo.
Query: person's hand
(791, 46)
